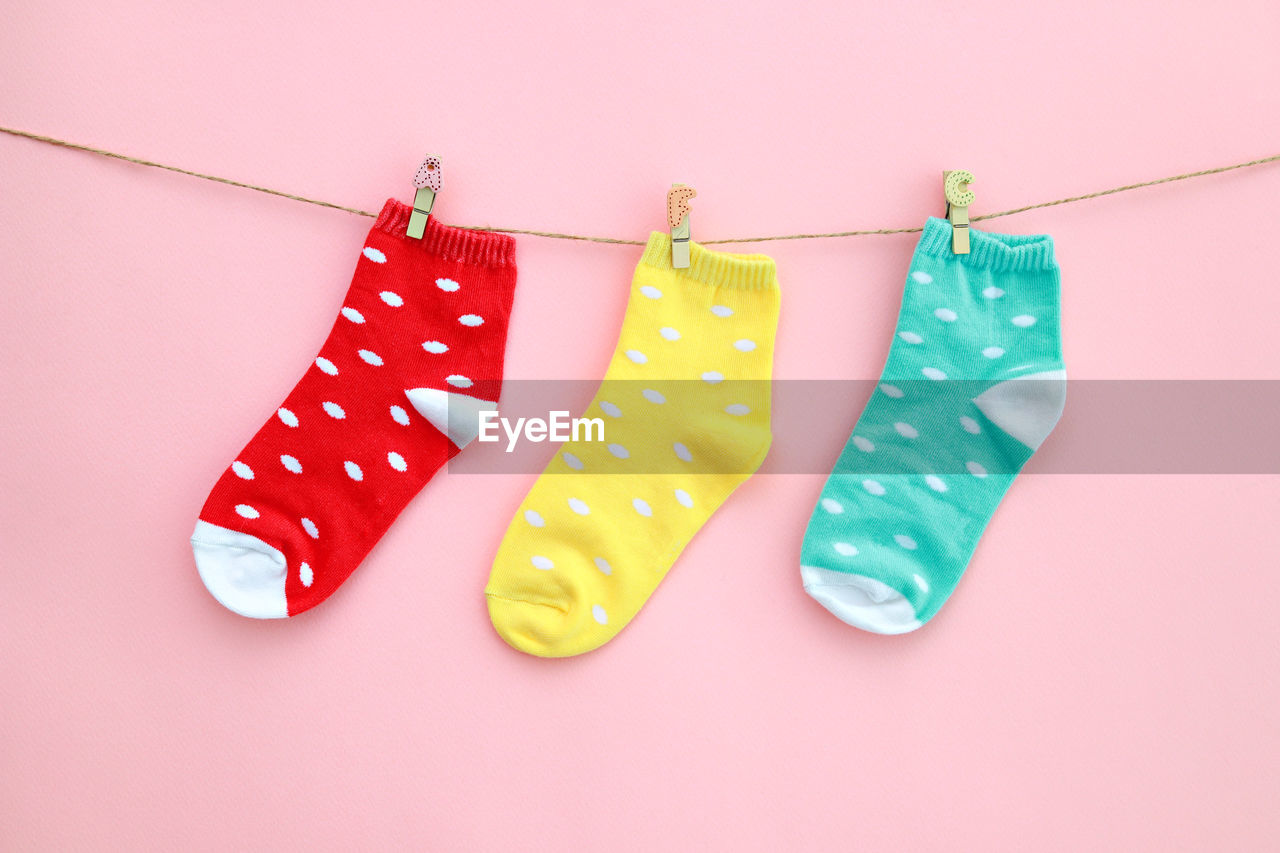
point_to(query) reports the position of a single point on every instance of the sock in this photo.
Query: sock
(973, 384)
(685, 406)
(422, 330)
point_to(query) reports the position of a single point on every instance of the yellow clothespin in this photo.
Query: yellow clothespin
(955, 186)
(427, 180)
(678, 218)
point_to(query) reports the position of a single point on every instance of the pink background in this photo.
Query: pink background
(1105, 677)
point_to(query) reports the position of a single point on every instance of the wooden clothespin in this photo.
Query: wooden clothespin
(427, 181)
(678, 218)
(955, 186)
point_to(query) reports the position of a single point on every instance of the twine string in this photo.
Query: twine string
(556, 235)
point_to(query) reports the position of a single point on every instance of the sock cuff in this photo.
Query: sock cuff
(483, 248)
(722, 269)
(1003, 252)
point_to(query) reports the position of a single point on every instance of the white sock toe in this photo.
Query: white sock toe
(860, 601)
(245, 574)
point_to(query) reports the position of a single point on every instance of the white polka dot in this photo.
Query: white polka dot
(653, 396)
(458, 381)
(374, 255)
(891, 391)
(968, 424)
(933, 373)
(863, 444)
(722, 310)
(287, 417)
(353, 470)
(310, 526)
(619, 451)
(873, 487)
(598, 614)
(534, 518)
(906, 430)
(844, 549)
(744, 345)
(579, 506)
(684, 498)
(911, 337)
(993, 293)
(291, 463)
(246, 511)
(603, 565)
(832, 506)
(737, 409)
(353, 315)
(471, 319)
(651, 292)
(447, 284)
(921, 582)
(975, 469)
(392, 299)
(400, 416)
(305, 575)
(993, 352)
(371, 357)
(905, 541)
(573, 462)
(642, 507)
(540, 562)
(333, 410)
(1023, 320)
(713, 377)
(435, 347)
(946, 315)
(611, 410)
(922, 277)
(243, 471)
(395, 460)
(935, 482)
(636, 356)
(682, 452)
(327, 366)
(669, 333)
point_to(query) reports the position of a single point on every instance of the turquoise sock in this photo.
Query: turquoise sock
(973, 384)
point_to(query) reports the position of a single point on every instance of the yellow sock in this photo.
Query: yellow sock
(685, 406)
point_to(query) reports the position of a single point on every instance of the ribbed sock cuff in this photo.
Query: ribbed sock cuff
(1011, 252)
(722, 269)
(483, 248)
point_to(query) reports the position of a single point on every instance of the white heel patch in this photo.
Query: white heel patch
(1027, 407)
(455, 415)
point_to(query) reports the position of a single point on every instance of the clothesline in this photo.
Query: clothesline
(555, 235)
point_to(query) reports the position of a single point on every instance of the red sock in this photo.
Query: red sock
(422, 332)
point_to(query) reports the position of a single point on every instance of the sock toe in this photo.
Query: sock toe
(245, 574)
(549, 629)
(860, 601)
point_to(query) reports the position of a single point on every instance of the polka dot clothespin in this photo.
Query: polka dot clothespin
(678, 218)
(955, 187)
(427, 182)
